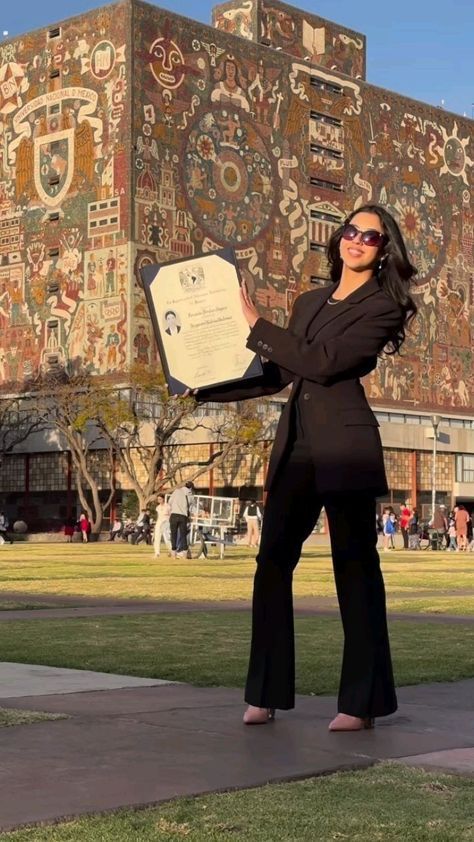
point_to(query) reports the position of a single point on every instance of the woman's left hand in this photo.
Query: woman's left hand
(248, 307)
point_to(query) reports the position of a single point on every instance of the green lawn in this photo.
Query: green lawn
(211, 649)
(418, 582)
(386, 803)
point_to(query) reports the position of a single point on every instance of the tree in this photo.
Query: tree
(150, 433)
(19, 419)
(67, 405)
(139, 430)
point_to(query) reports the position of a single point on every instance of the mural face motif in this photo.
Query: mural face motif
(166, 63)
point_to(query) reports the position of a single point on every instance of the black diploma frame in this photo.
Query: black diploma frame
(198, 322)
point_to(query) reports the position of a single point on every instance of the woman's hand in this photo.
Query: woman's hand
(189, 393)
(248, 307)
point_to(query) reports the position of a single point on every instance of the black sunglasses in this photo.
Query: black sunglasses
(368, 238)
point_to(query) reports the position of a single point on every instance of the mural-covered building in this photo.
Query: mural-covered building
(130, 135)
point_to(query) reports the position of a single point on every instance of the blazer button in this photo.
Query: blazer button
(259, 343)
(265, 346)
(269, 349)
(306, 396)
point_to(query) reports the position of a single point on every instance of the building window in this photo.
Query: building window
(318, 247)
(323, 85)
(53, 252)
(53, 216)
(326, 185)
(54, 74)
(55, 32)
(325, 151)
(464, 468)
(325, 118)
(320, 281)
(326, 217)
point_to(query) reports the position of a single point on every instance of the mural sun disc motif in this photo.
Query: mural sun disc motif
(229, 180)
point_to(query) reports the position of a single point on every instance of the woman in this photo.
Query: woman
(162, 525)
(328, 452)
(84, 526)
(405, 517)
(461, 519)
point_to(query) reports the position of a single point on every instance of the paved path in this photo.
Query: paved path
(142, 745)
(93, 607)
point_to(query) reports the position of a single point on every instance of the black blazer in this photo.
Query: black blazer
(325, 368)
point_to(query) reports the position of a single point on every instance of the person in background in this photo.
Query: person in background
(414, 531)
(452, 546)
(69, 525)
(405, 517)
(389, 530)
(116, 530)
(252, 516)
(181, 503)
(4, 524)
(162, 525)
(461, 519)
(143, 528)
(84, 526)
(128, 530)
(439, 523)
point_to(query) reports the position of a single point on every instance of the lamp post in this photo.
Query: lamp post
(435, 420)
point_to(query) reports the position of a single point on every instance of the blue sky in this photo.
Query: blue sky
(420, 48)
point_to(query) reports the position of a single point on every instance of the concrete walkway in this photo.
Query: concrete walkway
(144, 744)
(94, 607)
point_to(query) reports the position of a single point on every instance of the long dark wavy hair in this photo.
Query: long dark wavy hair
(393, 269)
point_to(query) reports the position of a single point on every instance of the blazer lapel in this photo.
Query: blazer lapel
(333, 311)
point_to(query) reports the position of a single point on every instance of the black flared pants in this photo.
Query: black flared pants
(292, 509)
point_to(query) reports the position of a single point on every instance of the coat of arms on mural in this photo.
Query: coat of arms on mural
(54, 147)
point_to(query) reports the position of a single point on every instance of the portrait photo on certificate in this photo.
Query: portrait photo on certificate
(198, 322)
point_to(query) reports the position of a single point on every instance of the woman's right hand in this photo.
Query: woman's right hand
(189, 393)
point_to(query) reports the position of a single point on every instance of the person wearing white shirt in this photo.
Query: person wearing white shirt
(162, 525)
(252, 516)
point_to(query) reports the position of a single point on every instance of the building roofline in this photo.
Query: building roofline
(315, 67)
(300, 11)
(70, 19)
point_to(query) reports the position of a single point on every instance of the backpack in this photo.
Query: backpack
(390, 527)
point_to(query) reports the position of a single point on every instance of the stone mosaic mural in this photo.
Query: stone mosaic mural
(64, 251)
(229, 142)
(267, 152)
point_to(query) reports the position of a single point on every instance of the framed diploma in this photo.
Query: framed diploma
(198, 322)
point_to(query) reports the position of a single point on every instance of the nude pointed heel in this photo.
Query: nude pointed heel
(258, 716)
(345, 722)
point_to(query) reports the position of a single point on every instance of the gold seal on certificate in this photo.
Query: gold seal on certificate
(198, 322)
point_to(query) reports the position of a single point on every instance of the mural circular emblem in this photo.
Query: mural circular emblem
(228, 176)
(103, 59)
(454, 155)
(167, 63)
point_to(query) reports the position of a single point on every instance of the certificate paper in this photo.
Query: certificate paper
(198, 321)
